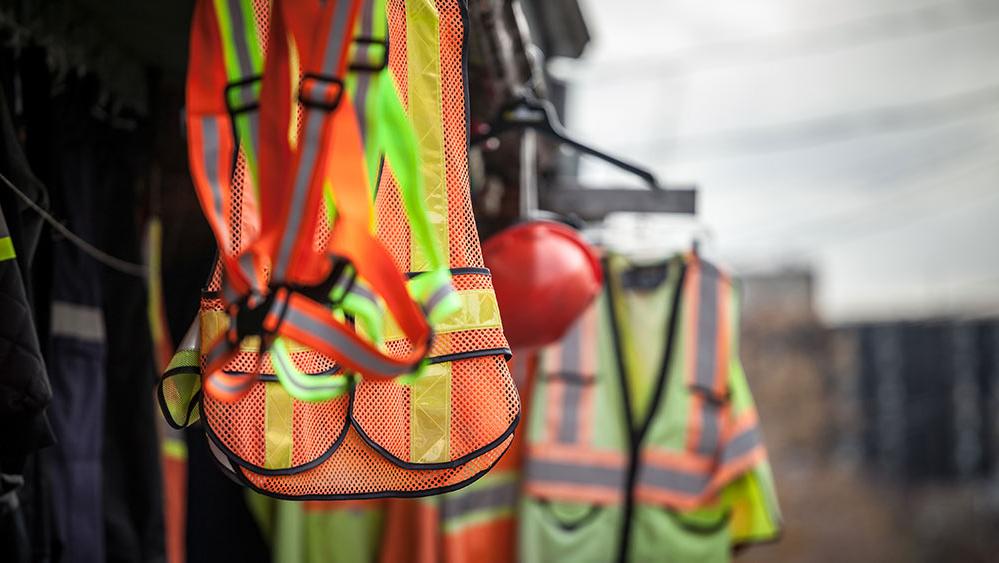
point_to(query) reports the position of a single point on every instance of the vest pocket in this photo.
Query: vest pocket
(271, 433)
(554, 531)
(699, 536)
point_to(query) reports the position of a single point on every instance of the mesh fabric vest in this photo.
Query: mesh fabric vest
(448, 426)
(660, 464)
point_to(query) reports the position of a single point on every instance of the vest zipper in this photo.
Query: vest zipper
(637, 434)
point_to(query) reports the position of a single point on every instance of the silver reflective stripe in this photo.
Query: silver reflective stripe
(221, 457)
(229, 292)
(210, 155)
(710, 415)
(249, 272)
(440, 294)
(347, 347)
(707, 352)
(707, 327)
(672, 480)
(237, 23)
(364, 78)
(572, 392)
(575, 474)
(742, 444)
(217, 351)
(500, 495)
(192, 338)
(333, 53)
(80, 322)
(313, 133)
(245, 383)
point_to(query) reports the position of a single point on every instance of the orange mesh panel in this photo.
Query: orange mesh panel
(262, 17)
(240, 425)
(315, 427)
(227, 421)
(465, 248)
(483, 405)
(355, 469)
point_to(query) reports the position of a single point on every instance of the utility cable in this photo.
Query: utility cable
(827, 129)
(915, 22)
(113, 262)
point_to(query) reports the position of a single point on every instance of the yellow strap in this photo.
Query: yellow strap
(430, 415)
(279, 418)
(479, 310)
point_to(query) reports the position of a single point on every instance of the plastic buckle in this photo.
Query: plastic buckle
(363, 64)
(320, 92)
(249, 319)
(242, 96)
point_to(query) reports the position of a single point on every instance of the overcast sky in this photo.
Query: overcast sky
(860, 137)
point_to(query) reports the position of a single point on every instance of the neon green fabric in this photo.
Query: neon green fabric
(6, 249)
(311, 532)
(642, 319)
(555, 528)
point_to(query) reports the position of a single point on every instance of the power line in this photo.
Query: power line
(850, 34)
(826, 129)
(833, 218)
(955, 202)
(113, 262)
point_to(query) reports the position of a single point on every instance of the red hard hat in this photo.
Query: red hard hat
(545, 276)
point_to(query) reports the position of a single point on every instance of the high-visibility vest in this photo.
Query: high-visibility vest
(309, 531)
(477, 524)
(630, 466)
(439, 430)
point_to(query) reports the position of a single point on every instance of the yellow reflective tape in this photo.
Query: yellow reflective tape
(174, 448)
(430, 415)
(294, 67)
(278, 419)
(479, 310)
(6, 249)
(426, 107)
(214, 323)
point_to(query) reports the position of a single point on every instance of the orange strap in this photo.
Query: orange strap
(328, 154)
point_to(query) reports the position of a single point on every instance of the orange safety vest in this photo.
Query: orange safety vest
(477, 524)
(445, 428)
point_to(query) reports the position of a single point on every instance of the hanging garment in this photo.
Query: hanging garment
(477, 524)
(24, 394)
(441, 429)
(133, 486)
(320, 531)
(643, 442)
(24, 384)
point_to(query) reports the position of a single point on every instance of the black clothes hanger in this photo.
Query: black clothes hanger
(526, 111)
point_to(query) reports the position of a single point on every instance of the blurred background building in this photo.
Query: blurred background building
(847, 159)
